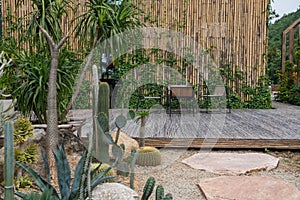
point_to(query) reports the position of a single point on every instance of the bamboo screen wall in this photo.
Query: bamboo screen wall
(234, 31)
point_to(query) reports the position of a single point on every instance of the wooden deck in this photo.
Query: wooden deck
(277, 128)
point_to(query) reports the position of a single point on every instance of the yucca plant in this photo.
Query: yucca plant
(80, 186)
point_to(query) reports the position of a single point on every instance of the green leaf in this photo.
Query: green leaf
(39, 181)
(63, 171)
(78, 175)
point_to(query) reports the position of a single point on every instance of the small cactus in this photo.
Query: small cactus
(148, 188)
(160, 193)
(103, 166)
(148, 156)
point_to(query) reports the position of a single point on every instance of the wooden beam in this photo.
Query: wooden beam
(292, 26)
(224, 143)
(291, 46)
(283, 53)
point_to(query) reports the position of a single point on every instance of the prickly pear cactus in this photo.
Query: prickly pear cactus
(148, 156)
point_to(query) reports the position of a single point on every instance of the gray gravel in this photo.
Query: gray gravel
(181, 180)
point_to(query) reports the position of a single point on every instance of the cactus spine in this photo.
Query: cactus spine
(103, 107)
(8, 161)
(148, 188)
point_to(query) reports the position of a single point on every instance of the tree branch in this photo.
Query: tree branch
(62, 41)
(49, 38)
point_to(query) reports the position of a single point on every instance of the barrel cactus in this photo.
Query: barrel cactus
(112, 172)
(148, 156)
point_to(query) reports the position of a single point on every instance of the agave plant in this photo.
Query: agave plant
(80, 187)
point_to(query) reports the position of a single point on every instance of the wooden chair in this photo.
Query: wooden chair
(179, 91)
(219, 91)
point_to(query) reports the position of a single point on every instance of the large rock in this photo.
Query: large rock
(248, 188)
(232, 163)
(114, 191)
(129, 143)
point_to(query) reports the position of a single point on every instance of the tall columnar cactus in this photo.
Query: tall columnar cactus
(103, 100)
(102, 146)
(8, 161)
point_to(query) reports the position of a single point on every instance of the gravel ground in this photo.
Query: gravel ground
(181, 180)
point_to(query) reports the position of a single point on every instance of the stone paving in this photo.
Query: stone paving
(248, 188)
(237, 180)
(232, 163)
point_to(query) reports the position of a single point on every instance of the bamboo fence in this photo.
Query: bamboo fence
(232, 31)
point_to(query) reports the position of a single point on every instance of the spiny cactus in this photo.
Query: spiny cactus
(103, 104)
(103, 119)
(159, 194)
(112, 172)
(148, 188)
(148, 156)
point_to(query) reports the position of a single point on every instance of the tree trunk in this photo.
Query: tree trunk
(52, 118)
(142, 132)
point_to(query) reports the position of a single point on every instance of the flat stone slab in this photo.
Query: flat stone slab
(248, 188)
(232, 163)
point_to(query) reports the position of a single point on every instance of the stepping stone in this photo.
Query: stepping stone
(232, 163)
(248, 188)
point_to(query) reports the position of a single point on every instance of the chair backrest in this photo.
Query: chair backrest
(219, 90)
(181, 91)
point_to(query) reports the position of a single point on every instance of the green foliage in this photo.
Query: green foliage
(83, 99)
(289, 91)
(148, 156)
(64, 176)
(23, 182)
(274, 44)
(34, 74)
(29, 155)
(23, 130)
(47, 194)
